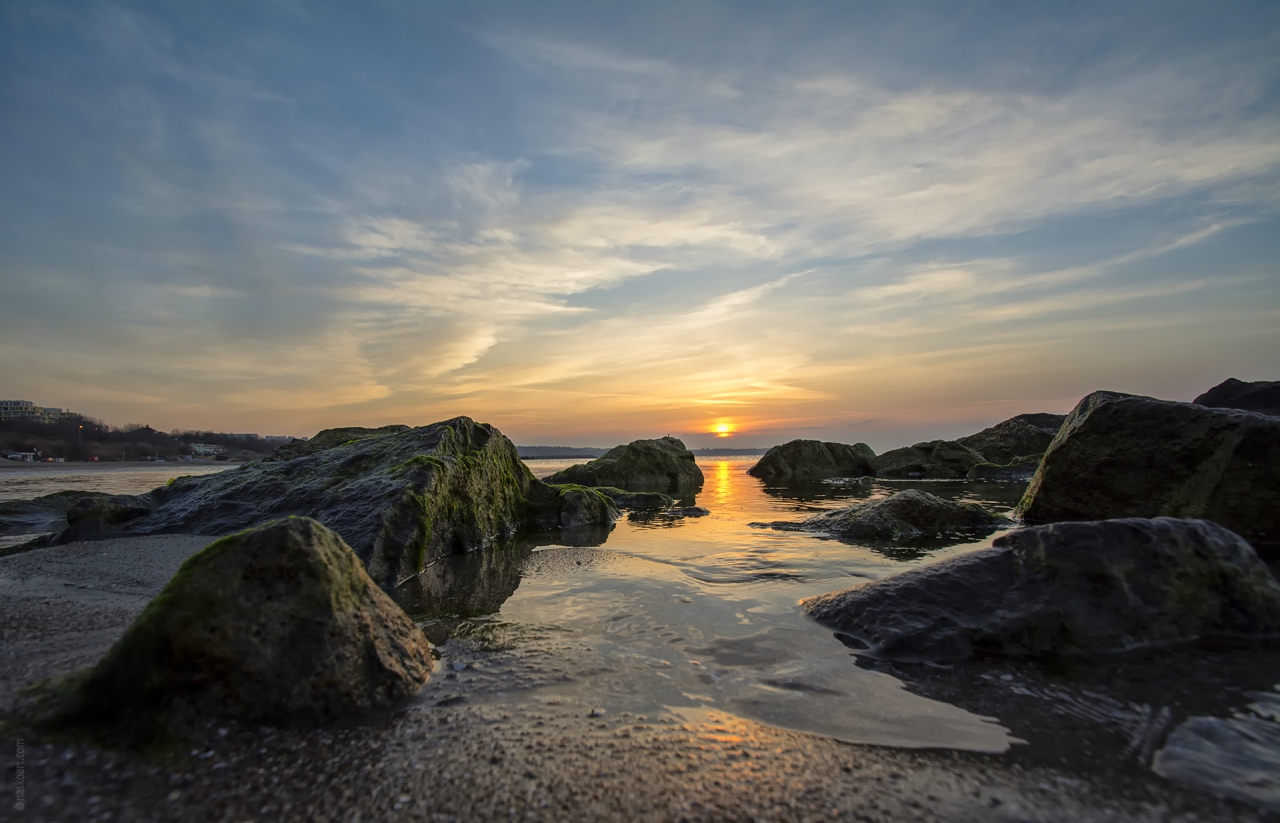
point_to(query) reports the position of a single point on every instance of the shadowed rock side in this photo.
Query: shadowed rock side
(906, 516)
(932, 460)
(1069, 587)
(1017, 438)
(278, 623)
(662, 465)
(400, 500)
(1262, 396)
(813, 459)
(1119, 455)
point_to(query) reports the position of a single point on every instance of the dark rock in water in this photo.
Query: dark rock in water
(813, 459)
(1070, 587)
(570, 506)
(932, 460)
(1124, 456)
(45, 513)
(637, 501)
(330, 438)
(278, 623)
(906, 516)
(1018, 437)
(1019, 469)
(663, 465)
(1262, 396)
(401, 500)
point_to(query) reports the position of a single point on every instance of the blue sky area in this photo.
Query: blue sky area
(591, 222)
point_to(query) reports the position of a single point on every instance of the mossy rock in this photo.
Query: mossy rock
(1101, 586)
(931, 460)
(907, 516)
(813, 460)
(328, 438)
(280, 623)
(637, 501)
(662, 465)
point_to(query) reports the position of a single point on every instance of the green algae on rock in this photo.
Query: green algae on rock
(1120, 455)
(663, 465)
(1109, 585)
(278, 623)
(328, 438)
(931, 460)
(813, 460)
(400, 499)
(907, 516)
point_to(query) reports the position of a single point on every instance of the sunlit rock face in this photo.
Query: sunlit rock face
(1023, 436)
(932, 460)
(1261, 396)
(1069, 587)
(401, 498)
(907, 516)
(812, 460)
(278, 623)
(1119, 455)
(662, 465)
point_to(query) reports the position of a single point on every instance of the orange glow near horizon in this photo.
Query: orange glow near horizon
(724, 429)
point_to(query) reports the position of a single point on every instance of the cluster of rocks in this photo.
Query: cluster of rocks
(1146, 520)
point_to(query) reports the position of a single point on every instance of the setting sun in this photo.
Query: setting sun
(723, 430)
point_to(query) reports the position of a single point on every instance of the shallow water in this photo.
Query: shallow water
(28, 482)
(669, 615)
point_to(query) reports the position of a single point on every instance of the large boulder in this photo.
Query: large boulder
(279, 623)
(400, 499)
(1119, 455)
(569, 506)
(1017, 437)
(813, 460)
(1068, 587)
(907, 516)
(662, 465)
(932, 460)
(1262, 396)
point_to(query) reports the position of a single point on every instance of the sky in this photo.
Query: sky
(591, 222)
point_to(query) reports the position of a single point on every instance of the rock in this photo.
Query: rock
(933, 460)
(1261, 396)
(1018, 470)
(401, 500)
(906, 516)
(580, 506)
(637, 501)
(1021, 436)
(45, 513)
(1069, 587)
(329, 438)
(812, 460)
(663, 465)
(279, 623)
(1118, 455)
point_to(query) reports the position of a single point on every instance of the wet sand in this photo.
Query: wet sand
(504, 730)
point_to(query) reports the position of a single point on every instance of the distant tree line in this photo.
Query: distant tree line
(79, 437)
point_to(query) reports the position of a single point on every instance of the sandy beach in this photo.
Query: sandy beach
(504, 730)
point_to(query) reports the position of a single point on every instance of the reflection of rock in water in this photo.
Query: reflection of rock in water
(465, 585)
(1114, 712)
(590, 535)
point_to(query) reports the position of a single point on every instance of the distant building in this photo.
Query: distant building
(26, 410)
(246, 436)
(21, 457)
(207, 449)
(278, 438)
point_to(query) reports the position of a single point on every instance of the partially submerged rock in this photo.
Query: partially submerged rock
(1023, 436)
(663, 465)
(903, 517)
(637, 501)
(932, 460)
(1262, 396)
(279, 623)
(1070, 587)
(400, 499)
(1119, 455)
(813, 460)
(42, 514)
(571, 506)
(1017, 470)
